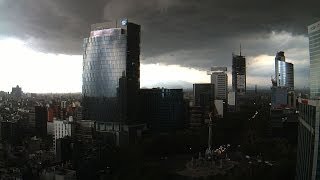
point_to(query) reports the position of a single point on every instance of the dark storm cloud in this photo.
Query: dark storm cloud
(193, 33)
(168, 25)
(56, 26)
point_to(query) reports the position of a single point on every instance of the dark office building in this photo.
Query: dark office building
(16, 92)
(196, 117)
(239, 74)
(162, 109)
(9, 131)
(279, 97)
(308, 159)
(284, 123)
(41, 118)
(203, 95)
(66, 149)
(85, 130)
(111, 72)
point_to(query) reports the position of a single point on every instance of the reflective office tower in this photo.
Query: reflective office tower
(219, 78)
(283, 83)
(111, 72)
(308, 157)
(239, 74)
(314, 50)
(283, 72)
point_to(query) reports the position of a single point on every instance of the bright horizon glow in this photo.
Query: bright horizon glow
(151, 74)
(39, 72)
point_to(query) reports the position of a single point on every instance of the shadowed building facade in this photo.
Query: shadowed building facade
(203, 94)
(162, 109)
(308, 149)
(308, 156)
(239, 74)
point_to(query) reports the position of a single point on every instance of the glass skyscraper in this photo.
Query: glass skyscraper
(283, 72)
(314, 49)
(111, 72)
(308, 149)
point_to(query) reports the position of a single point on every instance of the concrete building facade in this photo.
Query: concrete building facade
(219, 78)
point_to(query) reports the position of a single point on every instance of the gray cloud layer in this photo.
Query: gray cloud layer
(197, 33)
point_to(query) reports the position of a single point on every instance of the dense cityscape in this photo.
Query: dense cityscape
(115, 129)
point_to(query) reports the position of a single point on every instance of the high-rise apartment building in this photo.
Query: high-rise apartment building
(239, 85)
(308, 157)
(219, 78)
(284, 74)
(111, 72)
(314, 50)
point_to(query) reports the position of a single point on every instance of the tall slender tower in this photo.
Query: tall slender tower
(111, 72)
(239, 76)
(314, 50)
(308, 159)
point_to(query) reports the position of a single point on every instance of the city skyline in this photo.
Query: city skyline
(185, 38)
(173, 76)
(159, 89)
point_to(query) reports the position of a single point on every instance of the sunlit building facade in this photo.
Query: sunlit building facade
(111, 72)
(314, 50)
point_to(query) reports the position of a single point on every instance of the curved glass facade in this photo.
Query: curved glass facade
(104, 63)
(111, 62)
(284, 74)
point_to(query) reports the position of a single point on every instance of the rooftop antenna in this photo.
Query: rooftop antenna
(240, 49)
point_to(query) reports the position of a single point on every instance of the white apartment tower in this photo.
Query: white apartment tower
(62, 128)
(219, 78)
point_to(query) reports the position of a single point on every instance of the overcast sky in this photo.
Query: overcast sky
(41, 40)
